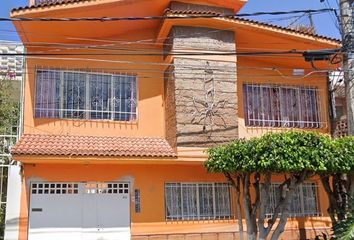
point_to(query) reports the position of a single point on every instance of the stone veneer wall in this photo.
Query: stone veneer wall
(170, 107)
(201, 92)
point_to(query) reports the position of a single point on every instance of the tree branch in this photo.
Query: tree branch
(325, 179)
(255, 205)
(250, 218)
(265, 192)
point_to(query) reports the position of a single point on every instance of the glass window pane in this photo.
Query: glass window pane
(74, 95)
(310, 199)
(173, 201)
(189, 198)
(83, 95)
(124, 103)
(222, 200)
(100, 95)
(206, 205)
(47, 94)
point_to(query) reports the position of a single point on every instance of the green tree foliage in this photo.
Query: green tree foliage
(286, 152)
(338, 183)
(345, 229)
(296, 155)
(9, 108)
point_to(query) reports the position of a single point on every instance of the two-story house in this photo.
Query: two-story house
(118, 114)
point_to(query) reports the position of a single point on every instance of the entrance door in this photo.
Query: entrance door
(79, 211)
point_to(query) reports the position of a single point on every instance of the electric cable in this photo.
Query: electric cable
(105, 19)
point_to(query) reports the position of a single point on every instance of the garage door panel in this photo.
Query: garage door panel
(55, 234)
(107, 213)
(65, 214)
(75, 211)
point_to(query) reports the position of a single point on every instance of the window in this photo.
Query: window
(83, 95)
(303, 204)
(281, 106)
(197, 201)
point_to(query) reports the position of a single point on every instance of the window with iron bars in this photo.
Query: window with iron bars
(197, 201)
(304, 203)
(85, 95)
(267, 105)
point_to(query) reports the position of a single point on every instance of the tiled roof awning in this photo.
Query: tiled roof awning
(65, 145)
(169, 12)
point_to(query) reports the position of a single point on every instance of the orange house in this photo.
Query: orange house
(117, 116)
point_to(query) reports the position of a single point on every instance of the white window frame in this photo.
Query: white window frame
(87, 109)
(215, 216)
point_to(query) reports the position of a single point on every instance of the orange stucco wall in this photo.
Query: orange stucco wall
(150, 179)
(150, 120)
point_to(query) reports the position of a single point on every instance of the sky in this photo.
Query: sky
(325, 23)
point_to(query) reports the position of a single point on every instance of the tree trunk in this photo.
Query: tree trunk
(250, 218)
(238, 207)
(351, 186)
(325, 179)
(281, 226)
(235, 181)
(264, 193)
(283, 206)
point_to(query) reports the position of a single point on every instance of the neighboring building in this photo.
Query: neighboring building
(341, 122)
(114, 137)
(11, 65)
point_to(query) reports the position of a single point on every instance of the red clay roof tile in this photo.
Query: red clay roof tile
(245, 20)
(72, 145)
(48, 3)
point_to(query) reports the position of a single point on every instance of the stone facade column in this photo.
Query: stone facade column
(201, 89)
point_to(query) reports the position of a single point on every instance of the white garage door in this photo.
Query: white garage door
(79, 211)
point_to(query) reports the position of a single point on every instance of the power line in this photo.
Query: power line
(188, 67)
(151, 41)
(178, 53)
(108, 19)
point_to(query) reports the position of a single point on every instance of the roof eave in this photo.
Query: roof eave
(258, 25)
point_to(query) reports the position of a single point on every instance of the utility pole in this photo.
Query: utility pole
(347, 25)
(348, 59)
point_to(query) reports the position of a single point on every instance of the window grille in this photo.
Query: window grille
(197, 201)
(54, 188)
(282, 106)
(84, 95)
(107, 188)
(303, 204)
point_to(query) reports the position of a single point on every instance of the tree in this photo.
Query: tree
(295, 155)
(337, 183)
(9, 108)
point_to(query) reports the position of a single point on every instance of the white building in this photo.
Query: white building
(11, 66)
